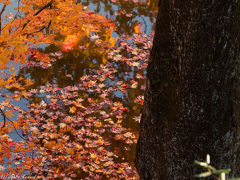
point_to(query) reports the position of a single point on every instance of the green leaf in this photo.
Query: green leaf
(218, 172)
(205, 165)
(202, 164)
(204, 174)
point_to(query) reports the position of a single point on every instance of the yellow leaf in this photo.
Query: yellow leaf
(41, 164)
(57, 171)
(98, 124)
(7, 2)
(112, 41)
(5, 137)
(104, 60)
(137, 28)
(78, 105)
(93, 156)
(148, 3)
(68, 119)
(119, 172)
(9, 113)
(98, 171)
(25, 94)
(54, 136)
(72, 109)
(79, 147)
(11, 169)
(134, 85)
(100, 142)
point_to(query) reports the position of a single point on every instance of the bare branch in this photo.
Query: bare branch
(4, 118)
(3, 9)
(15, 17)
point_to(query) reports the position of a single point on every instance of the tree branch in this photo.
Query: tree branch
(4, 119)
(44, 27)
(3, 9)
(15, 17)
(40, 10)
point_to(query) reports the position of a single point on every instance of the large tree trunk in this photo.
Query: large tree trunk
(192, 99)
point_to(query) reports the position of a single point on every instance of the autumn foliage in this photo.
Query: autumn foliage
(79, 130)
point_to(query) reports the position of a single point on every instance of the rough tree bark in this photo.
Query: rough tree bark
(192, 97)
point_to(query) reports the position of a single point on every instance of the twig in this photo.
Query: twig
(36, 31)
(40, 10)
(15, 17)
(44, 27)
(47, 28)
(4, 118)
(17, 10)
(3, 9)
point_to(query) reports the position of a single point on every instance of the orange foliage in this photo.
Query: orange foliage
(60, 134)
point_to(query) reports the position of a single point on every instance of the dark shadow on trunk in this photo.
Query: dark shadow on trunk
(192, 97)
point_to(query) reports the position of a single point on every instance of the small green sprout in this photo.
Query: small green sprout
(211, 171)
